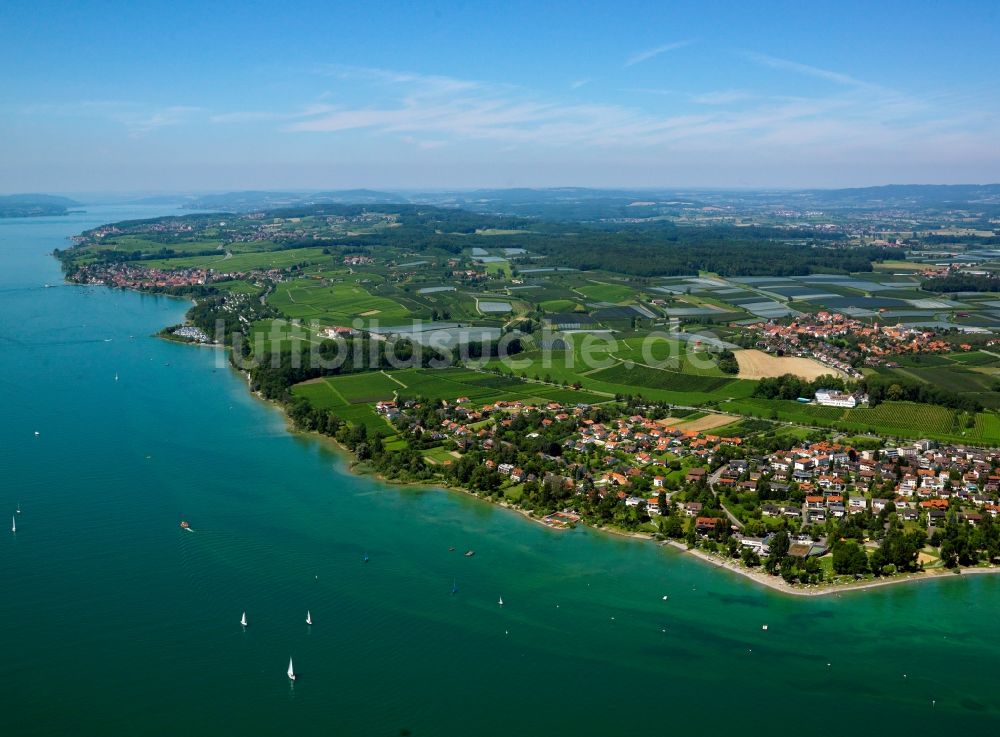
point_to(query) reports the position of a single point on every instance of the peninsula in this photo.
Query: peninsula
(825, 417)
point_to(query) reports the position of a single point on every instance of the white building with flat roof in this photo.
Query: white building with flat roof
(832, 398)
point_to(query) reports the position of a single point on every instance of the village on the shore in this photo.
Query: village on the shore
(815, 512)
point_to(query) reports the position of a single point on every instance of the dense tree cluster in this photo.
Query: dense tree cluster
(962, 282)
(727, 362)
(792, 387)
(893, 388)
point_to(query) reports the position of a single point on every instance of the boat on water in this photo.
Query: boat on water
(501, 601)
(13, 524)
(116, 376)
(454, 586)
(186, 526)
(309, 619)
(243, 619)
(469, 553)
(365, 559)
(291, 670)
(19, 507)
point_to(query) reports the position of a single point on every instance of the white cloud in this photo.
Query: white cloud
(793, 66)
(641, 56)
(433, 111)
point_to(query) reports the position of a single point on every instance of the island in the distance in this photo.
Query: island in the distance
(34, 205)
(805, 395)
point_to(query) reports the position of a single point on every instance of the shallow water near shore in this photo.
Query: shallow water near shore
(115, 621)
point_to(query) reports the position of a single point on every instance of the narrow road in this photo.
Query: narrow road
(712, 480)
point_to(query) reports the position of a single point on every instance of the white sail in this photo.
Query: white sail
(309, 619)
(291, 671)
(13, 524)
(501, 601)
(243, 619)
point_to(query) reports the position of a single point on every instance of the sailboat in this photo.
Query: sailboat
(365, 559)
(116, 376)
(243, 619)
(309, 619)
(501, 601)
(454, 586)
(19, 507)
(13, 524)
(291, 671)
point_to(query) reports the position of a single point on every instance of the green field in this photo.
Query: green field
(352, 396)
(244, 261)
(953, 378)
(324, 395)
(987, 428)
(975, 358)
(670, 354)
(902, 418)
(607, 292)
(787, 411)
(558, 305)
(339, 304)
(137, 243)
(639, 376)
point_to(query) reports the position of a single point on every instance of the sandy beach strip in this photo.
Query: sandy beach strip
(777, 583)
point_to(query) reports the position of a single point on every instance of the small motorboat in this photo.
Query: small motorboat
(469, 553)
(186, 526)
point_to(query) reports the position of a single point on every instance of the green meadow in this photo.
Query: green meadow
(338, 304)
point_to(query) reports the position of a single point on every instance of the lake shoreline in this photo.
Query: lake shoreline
(777, 583)
(759, 576)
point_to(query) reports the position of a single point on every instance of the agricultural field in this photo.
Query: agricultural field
(601, 292)
(323, 395)
(786, 411)
(339, 304)
(756, 364)
(558, 305)
(352, 396)
(335, 276)
(902, 418)
(639, 376)
(245, 261)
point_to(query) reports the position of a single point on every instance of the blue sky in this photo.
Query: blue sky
(161, 96)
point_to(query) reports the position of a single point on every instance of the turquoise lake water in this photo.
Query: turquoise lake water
(114, 621)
